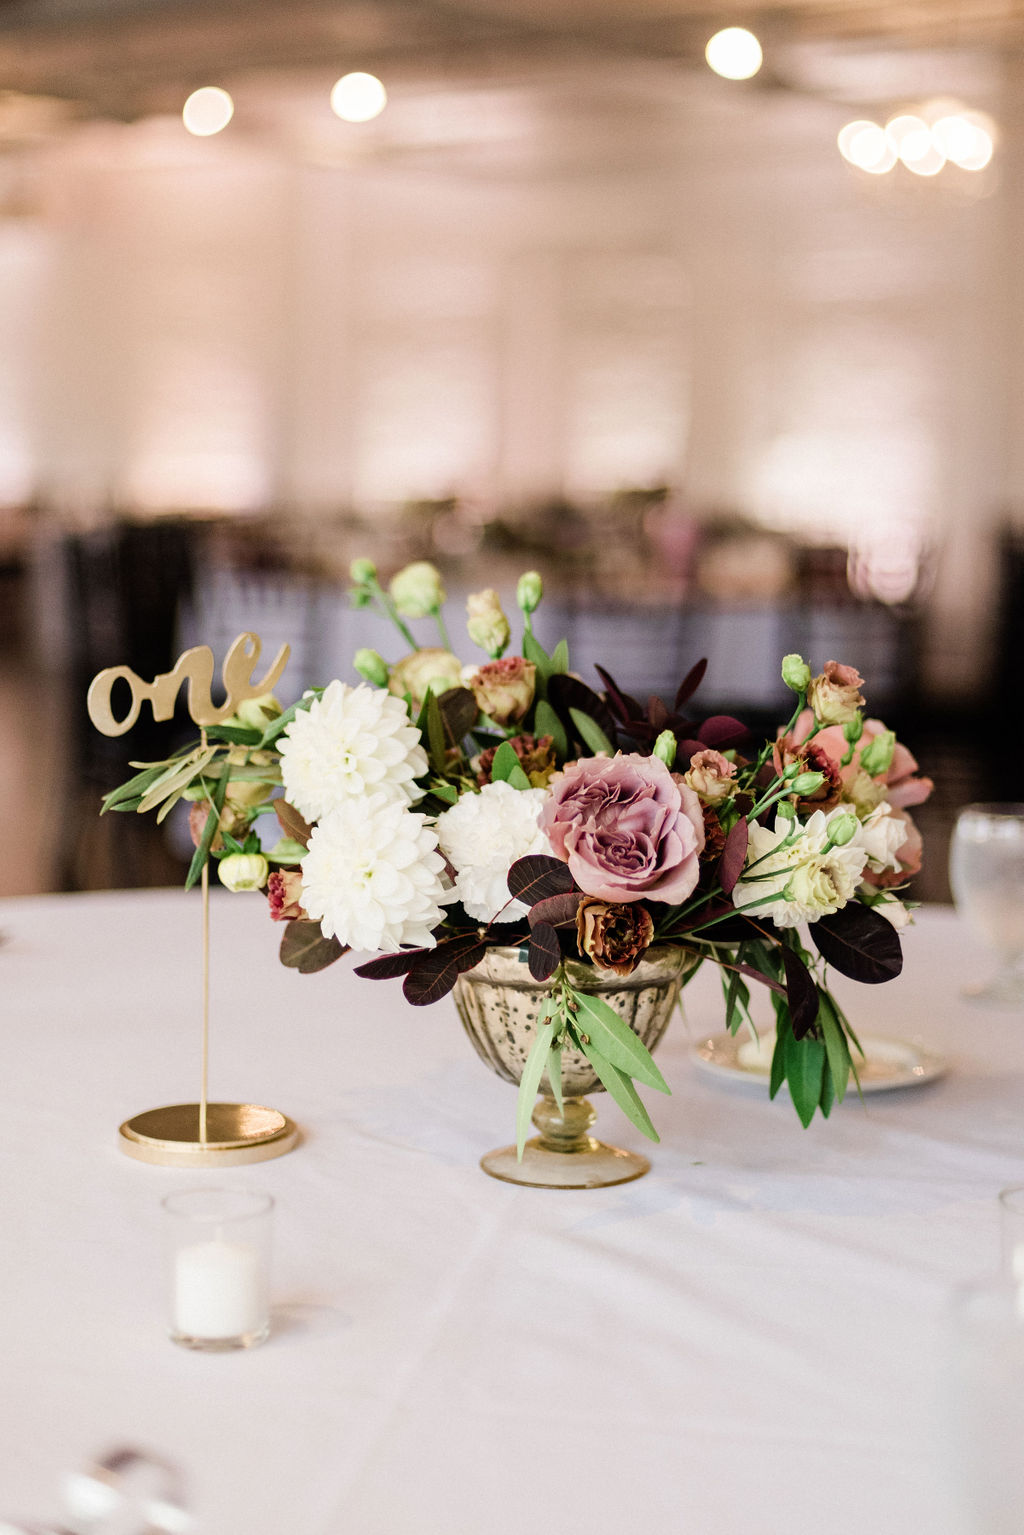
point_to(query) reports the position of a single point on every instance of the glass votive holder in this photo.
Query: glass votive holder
(1011, 1207)
(982, 1404)
(218, 1267)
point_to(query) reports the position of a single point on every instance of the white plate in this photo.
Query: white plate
(888, 1063)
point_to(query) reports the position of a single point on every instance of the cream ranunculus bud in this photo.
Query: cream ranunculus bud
(486, 622)
(796, 674)
(371, 665)
(416, 590)
(257, 713)
(834, 695)
(666, 747)
(244, 792)
(529, 591)
(243, 871)
(431, 668)
(362, 572)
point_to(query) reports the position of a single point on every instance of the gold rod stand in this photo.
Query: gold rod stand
(205, 1053)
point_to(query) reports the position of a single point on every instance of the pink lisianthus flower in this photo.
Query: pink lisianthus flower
(628, 828)
(908, 855)
(900, 782)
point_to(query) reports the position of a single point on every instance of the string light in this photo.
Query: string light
(734, 53)
(923, 141)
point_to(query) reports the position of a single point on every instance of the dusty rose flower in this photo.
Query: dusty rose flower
(710, 775)
(900, 784)
(432, 668)
(536, 757)
(909, 855)
(834, 695)
(284, 890)
(628, 829)
(615, 937)
(504, 689)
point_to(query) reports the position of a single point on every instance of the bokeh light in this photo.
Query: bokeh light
(734, 53)
(358, 97)
(207, 111)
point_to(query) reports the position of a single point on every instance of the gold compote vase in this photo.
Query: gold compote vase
(499, 1002)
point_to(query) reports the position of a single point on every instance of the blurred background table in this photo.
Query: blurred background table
(747, 1339)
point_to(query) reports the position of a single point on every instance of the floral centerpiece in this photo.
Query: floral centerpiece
(439, 809)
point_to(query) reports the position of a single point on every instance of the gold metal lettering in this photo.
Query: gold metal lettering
(195, 666)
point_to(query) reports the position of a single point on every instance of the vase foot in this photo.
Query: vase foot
(593, 1166)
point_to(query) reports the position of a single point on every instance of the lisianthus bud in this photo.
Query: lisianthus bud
(529, 591)
(243, 871)
(796, 674)
(876, 757)
(257, 713)
(371, 665)
(807, 783)
(504, 689)
(853, 729)
(842, 829)
(362, 572)
(431, 668)
(711, 776)
(835, 694)
(666, 747)
(416, 590)
(486, 622)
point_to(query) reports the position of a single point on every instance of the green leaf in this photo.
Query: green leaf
(202, 852)
(547, 723)
(737, 1000)
(560, 658)
(133, 789)
(534, 651)
(837, 1050)
(275, 728)
(555, 1075)
(435, 733)
(305, 949)
(591, 733)
(506, 768)
(805, 1065)
(446, 791)
(239, 735)
(177, 777)
(530, 1082)
(828, 1090)
(782, 1034)
(616, 1041)
(619, 1087)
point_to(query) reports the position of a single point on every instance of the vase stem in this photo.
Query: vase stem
(564, 1129)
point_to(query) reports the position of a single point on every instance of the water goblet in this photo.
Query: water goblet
(986, 871)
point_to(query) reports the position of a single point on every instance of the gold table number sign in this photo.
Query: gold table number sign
(199, 1134)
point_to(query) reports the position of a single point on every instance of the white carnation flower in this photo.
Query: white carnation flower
(794, 862)
(881, 835)
(482, 836)
(372, 875)
(347, 744)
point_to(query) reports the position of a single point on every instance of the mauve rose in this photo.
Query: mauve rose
(628, 829)
(902, 785)
(910, 853)
(615, 936)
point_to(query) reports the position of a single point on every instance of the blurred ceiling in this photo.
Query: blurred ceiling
(125, 59)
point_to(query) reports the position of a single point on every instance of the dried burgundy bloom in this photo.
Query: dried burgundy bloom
(714, 836)
(536, 757)
(615, 937)
(284, 895)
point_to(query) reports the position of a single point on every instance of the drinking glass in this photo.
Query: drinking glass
(986, 871)
(218, 1267)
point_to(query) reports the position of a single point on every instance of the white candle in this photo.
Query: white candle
(218, 1290)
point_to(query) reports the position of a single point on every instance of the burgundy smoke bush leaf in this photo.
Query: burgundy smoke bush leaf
(730, 865)
(305, 949)
(556, 909)
(538, 876)
(691, 682)
(859, 943)
(624, 705)
(801, 991)
(437, 970)
(721, 731)
(565, 693)
(386, 966)
(292, 824)
(545, 954)
(459, 710)
(657, 713)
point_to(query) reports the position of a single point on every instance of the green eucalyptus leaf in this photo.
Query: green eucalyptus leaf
(202, 852)
(547, 723)
(805, 1065)
(530, 1082)
(616, 1041)
(555, 1075)
(534, 651)
(506, 768)
(836, 1047)
(591, 733)
(560, 658)
(619, 1087)
(783, 1032)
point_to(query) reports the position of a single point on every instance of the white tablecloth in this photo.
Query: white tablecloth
(747, 1340)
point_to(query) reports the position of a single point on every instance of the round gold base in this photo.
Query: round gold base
(592, 1165)
(236, 1133)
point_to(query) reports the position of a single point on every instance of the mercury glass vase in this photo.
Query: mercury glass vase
(499, 1002)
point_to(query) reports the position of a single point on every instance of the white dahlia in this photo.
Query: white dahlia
(347, 744)
(791, 875)
(372, 875)
(482, 836)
